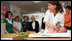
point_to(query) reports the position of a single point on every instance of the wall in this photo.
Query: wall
(22, 10)
(35, 12)
(8, 7)
(15, 10)
(4, 7)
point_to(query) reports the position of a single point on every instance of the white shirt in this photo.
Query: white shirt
(33, 25)
(49, 17)
(17, 25)
(64, 11)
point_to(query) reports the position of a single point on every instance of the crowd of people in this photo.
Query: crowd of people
(54, 21)
(16, 26)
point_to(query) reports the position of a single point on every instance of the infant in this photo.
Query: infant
(59, 30)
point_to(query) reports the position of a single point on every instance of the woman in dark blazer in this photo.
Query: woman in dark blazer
(34, 25)
(25, 24)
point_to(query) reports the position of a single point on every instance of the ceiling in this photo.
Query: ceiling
(29, 5)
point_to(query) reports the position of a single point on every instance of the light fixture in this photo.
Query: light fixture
(37, 1)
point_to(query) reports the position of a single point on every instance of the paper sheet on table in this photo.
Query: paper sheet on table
(68, 34)
(6, 38)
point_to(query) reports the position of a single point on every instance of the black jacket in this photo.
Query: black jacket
(36, 27)
(43, 24)
(25, 26)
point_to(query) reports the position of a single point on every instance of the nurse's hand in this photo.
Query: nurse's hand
(55, 27)
(42, 30)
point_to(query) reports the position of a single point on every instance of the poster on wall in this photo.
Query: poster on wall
(38, 17)
(4, 7)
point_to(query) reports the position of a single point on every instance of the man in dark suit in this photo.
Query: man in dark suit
(34, 25)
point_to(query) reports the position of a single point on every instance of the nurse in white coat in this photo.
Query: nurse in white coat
(53, 15)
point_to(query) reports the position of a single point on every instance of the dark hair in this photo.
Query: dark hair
(68, 7)
(25, 16)
(17, 17)
(59, 7)
(7, 13)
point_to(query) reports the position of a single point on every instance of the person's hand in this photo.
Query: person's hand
(58, 25)
(7, 33)
(17, 32)
(55, 27)
(42, 30)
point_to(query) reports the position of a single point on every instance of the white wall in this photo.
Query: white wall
(15, 10)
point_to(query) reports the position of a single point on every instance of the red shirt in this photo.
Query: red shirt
(67, 20)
